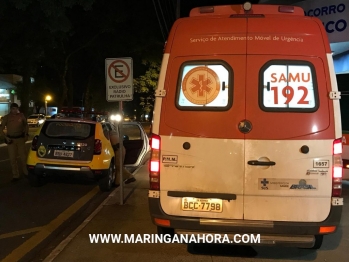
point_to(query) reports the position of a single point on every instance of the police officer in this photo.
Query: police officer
(17, 135)
(127, 177)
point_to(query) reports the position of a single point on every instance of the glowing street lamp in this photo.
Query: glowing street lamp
(47, 98)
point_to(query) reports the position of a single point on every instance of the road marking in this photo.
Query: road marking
(67, 240)
(20, 232)
(72, 235)
(46, 230)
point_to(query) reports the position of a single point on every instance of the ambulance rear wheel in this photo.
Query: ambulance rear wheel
(318, 241)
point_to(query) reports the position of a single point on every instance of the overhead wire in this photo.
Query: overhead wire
(163, 18)
(166, 15)
(170, 11)
(160, 24)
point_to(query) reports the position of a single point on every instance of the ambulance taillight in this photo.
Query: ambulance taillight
(337, 168)
(154, 163)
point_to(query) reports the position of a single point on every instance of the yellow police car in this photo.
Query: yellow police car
(74, 146)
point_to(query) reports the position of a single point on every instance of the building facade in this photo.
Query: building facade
(8, 89)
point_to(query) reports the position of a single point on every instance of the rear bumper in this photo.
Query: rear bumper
(251, 239)
(300, 234)
(62, 170)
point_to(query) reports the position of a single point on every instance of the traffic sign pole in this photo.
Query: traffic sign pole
(119, 87)
(121, 145)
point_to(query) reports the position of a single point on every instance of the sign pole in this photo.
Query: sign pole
(119, 87)
(121, 147)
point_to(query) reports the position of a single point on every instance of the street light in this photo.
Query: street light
(47, 98)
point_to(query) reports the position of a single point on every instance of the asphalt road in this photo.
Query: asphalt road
(44, 212)
(34, 220)
(53, 223)
(133, 218)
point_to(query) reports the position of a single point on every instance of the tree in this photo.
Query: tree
(70, 39)
(145, 87)
(29, 30)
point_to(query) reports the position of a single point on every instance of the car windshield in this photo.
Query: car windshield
(68, 130)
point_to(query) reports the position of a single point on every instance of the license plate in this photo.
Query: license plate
(200, 204)
(63, 153)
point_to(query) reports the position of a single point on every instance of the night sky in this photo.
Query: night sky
(86, 36)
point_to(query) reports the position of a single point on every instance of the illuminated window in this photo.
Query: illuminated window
(204, 86)
(4, 95)
(288, 86)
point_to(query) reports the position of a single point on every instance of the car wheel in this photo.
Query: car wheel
(34, 179)
(165, 231)
(318, 241)
(107, 181)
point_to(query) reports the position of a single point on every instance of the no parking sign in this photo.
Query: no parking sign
(119, 79)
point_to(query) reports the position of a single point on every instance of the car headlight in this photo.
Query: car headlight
(116, 117)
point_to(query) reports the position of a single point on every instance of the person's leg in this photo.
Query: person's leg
(22, 152)
(117, 167)
(127, 177)
(12, 152)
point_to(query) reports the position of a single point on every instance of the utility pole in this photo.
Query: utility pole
(178, 9)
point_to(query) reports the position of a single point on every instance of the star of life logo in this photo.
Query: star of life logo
(176, 238)
(201, 85)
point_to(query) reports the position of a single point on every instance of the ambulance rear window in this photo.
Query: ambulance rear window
(204, 85)
(288, 86)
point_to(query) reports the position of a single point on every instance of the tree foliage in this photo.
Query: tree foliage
(145, 85)
(63, 44)
(30, 29)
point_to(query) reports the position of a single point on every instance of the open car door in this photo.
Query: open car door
(136, 143)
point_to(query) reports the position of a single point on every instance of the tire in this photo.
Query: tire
(318, 241)
(165, 231)
(108, 180)
(34, 180)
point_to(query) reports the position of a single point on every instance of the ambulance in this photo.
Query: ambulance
(246, 132)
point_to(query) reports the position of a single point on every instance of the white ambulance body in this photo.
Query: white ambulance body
(246, 130)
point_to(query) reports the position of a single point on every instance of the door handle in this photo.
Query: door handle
(261, 163)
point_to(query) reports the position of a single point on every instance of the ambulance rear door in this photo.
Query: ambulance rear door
(288, 151)
(202, 150)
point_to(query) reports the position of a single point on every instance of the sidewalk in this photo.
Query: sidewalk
(111, 218)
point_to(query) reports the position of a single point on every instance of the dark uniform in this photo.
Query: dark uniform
(15, 137)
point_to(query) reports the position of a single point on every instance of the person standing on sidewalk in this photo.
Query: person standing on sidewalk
(15, 138)
(127, 177)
